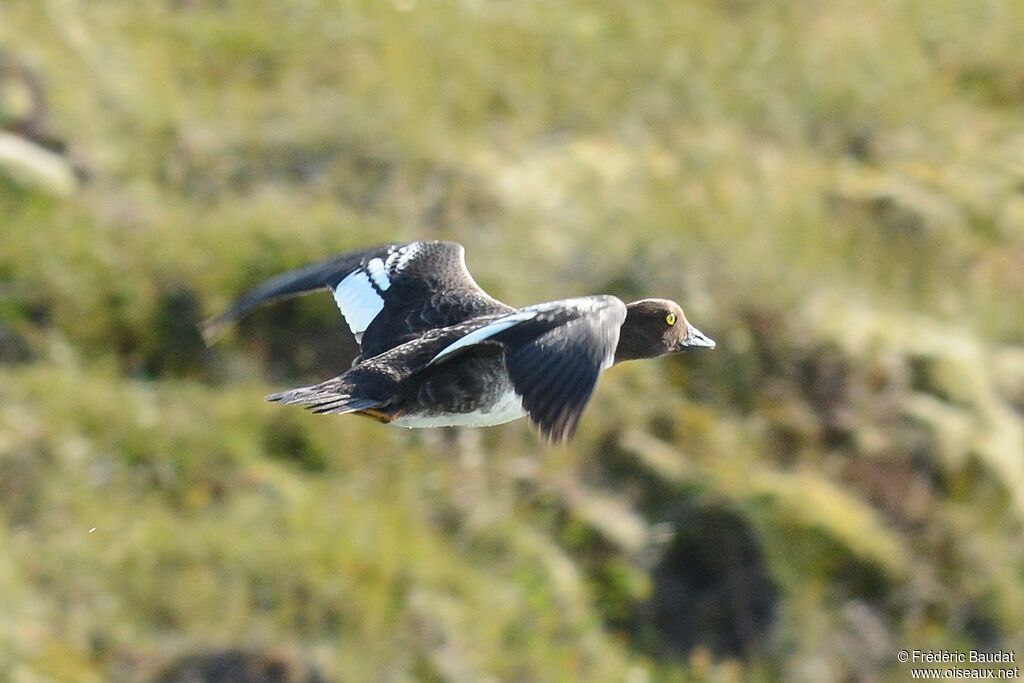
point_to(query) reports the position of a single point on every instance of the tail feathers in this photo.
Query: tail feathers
(317, 400)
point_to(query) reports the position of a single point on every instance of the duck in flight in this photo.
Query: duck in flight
(437, 350)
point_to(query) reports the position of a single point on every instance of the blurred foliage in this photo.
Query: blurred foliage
(834, 191)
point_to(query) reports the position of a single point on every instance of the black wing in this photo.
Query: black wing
(388, 294)
(554, 353)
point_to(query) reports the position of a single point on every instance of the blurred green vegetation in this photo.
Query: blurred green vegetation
(833, 190)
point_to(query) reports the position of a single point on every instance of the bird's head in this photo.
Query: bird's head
(657, 327)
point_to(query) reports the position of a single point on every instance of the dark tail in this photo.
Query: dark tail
(323, 275)
(318, 400)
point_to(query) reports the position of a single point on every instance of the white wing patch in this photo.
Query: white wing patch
(400, 258)
(375, 268)
(485, 332)
(360, 294)
(359, 301)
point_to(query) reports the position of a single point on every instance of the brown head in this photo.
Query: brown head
(657, 327)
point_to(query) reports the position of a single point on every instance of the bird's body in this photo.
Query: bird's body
(436, 350)
(475, 391)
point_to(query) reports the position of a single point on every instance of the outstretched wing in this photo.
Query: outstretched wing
(554, 353)
(388, 294)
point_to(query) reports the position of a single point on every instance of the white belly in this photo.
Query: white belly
(509, 407)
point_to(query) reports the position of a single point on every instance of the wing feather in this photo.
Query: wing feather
(387, 294)
(554, 354)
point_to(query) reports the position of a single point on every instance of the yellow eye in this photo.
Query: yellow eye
(670, 318)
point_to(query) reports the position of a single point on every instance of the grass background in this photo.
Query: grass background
(833, 190)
